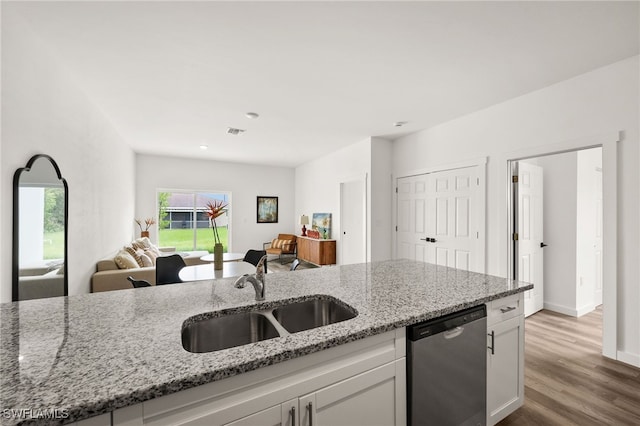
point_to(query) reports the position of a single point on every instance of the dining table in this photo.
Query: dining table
(226, 257)
(207, 271)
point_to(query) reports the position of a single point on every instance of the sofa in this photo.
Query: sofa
(41, 281)
(112, 271)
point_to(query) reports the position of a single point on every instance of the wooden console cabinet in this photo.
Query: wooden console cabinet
(320, 252)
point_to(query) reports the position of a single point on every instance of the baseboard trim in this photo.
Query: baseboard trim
(564, 310)
(628, 358)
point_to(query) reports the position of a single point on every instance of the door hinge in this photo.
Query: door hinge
(515, 236)
(396, 189)
(396, 228)
(515, 179)
(477, 181)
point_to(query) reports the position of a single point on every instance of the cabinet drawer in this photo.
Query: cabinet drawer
(505, 308)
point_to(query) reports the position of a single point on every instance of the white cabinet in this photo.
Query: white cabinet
(505, 359)
(280, 415)
(358, 383)
(366, 399)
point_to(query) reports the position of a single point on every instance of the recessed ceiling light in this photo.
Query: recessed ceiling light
(252, 115)
(204, 147)
(399, 123)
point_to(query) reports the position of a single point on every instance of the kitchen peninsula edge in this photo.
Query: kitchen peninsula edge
(96, 353)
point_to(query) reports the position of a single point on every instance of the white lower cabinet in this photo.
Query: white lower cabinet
(505, 359)
(280, 415)
(359, 383)
(367, 399)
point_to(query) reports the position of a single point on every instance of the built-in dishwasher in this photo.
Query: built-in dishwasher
(447, 369)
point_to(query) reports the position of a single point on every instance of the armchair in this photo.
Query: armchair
(283, 245)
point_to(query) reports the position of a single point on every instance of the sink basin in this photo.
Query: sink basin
(312, 313)
(214, 334)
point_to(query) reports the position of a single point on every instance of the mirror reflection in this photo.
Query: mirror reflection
(40, 230)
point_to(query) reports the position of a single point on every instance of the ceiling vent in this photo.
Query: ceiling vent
(234, 131)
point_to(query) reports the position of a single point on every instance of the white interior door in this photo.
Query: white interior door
(597, 246)
(438, 218)
(353, 222)
(452, 218)
(529, 227)
(412, 219)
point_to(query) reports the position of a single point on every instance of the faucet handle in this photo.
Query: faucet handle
(241, 281)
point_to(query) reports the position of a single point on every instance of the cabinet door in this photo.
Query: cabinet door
(280, 415)
(505, 369)
(366, 399)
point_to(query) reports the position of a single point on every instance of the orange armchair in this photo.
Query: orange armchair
(283, 245)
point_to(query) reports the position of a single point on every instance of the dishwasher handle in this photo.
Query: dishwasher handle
(453, 333)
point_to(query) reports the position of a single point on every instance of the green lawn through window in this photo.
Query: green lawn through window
(182, 239)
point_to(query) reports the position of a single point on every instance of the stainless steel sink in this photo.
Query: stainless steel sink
(214, 334)
(237, 329)
(312, 313)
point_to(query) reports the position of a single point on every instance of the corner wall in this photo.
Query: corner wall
(44, 111)
(317, 183)
(604, 100)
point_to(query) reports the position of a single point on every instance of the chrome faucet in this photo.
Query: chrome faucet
(257, 280)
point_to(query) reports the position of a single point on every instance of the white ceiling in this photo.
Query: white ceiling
(171, 76)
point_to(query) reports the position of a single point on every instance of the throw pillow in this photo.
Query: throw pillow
(146, 260)
(133, 254)
(151, 255)
(125, 261)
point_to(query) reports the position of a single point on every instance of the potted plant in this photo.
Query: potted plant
(214, 210)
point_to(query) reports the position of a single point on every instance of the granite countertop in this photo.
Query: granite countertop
(89, 354)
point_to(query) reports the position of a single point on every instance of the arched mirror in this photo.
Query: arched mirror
(40, 207)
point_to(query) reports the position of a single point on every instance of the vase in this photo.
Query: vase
(144, 234)
(217, 256)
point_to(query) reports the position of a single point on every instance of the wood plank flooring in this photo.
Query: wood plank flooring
(568, 381)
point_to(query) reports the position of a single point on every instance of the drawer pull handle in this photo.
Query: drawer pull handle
(507, 309)
(493, 340)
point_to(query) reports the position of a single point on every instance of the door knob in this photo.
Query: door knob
(543, 245)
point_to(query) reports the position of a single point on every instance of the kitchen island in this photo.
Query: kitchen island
(91, 354)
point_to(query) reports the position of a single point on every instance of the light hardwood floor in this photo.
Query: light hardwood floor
(568, 381)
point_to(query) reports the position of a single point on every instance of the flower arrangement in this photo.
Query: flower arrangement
(215, 209)
(147, 223)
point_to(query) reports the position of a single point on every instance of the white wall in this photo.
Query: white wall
(43, 111)
(381, 200)
(559, 217)
(586, 206)
(603, 100)
(244, 181)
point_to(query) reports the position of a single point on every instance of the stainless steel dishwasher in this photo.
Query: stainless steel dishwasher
(447, 369)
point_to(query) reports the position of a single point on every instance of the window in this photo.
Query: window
(183, 222)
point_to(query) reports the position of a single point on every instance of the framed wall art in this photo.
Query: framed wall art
(267, 210)
(321, 222)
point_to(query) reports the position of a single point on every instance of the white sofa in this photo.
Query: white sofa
(109, 276)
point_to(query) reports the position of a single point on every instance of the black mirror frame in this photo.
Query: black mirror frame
(16, 223)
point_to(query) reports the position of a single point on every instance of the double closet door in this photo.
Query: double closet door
(438, 216)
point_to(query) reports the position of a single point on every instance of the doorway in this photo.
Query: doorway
(608, 143)
(353, 216)
(558, 222)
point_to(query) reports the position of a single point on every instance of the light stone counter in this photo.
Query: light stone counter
(90, 354)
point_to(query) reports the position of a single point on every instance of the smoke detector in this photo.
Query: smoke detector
(234, 131)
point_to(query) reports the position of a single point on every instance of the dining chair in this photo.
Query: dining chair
(254, 256)
(167, 269)
(294, 264)
(138, 283)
